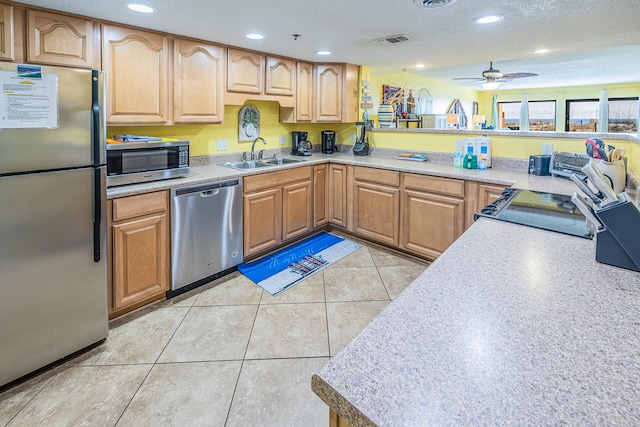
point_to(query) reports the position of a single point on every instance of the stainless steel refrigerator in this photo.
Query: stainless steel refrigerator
(53, 258)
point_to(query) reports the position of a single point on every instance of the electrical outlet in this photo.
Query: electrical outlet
(352, 138)
(547, 148)
(222, 144)
(283, 140)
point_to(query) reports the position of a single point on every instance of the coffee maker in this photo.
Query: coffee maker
(329, 142)
(300, 146)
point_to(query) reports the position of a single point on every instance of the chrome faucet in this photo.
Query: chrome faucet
(254, 144)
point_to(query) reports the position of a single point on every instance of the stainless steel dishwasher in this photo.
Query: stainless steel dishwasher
(206, 233)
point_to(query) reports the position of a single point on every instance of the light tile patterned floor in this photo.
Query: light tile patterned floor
(226, 354)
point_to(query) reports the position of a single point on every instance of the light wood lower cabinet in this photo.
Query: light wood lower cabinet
(339, 187)
(320, 195)
(278, 207)
(479, 195)
(376, 203)
(432, 212)
(139, 249)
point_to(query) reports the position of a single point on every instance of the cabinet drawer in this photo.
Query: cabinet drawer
(432, 184)
(275, 179)
(142, 204)
(379, 176)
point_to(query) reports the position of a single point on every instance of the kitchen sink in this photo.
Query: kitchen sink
(254, 164)
(247, 164)
(281, 160)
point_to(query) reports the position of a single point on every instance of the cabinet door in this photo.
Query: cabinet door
(140, 260)
(488, 193)
(262, 220)
(245, 72)
(59, 40)
(430, 222)
(352, 86)
(376, 212)
(304, 92)
(329, 93)
(136, 66)
(297, 209)
(320, 195)
(6, 32)
(281, 76)
(338, 195)
(198, 82)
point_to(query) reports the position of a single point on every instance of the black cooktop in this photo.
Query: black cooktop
(548, 211)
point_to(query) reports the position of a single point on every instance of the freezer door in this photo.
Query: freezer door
(66, 145)
(53, 296)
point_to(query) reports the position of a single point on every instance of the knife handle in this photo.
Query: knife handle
(599, 181)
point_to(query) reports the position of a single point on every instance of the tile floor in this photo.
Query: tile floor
(226, 354)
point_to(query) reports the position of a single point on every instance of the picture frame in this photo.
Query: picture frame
(475, 109)
(387, 92)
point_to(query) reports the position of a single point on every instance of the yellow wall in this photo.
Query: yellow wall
(204, 138)
(559, 94)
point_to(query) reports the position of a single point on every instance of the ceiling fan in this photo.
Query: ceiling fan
(492, 78)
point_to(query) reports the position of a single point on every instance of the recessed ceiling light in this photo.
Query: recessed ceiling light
(489, 19)
(420, 66)
(255, 36)
(540, 51)
(142, 8)
(324, 52)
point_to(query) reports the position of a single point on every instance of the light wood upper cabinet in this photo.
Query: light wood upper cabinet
(6, 32)
(245, 71)
(136, 63)
(329, 88)
(336, 92)
(304, 92)
(60, 40)
(280, 76)
(198, 82)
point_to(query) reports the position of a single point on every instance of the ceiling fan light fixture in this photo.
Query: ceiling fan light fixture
(490, 85)
(488, 19)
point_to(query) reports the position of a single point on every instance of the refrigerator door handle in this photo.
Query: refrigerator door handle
(97, 213)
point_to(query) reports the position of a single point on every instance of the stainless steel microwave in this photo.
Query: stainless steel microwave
(136, 162)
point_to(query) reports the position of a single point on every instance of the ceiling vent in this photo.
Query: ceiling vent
(393, 39)
(433, 4)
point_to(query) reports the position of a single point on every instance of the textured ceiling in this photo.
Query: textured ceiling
(591, 42)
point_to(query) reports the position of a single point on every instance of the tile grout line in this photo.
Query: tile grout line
(235, 387)
(155, 362)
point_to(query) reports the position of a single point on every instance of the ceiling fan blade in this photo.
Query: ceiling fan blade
(518, 75)
(468, 78)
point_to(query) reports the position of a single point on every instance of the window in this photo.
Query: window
(542, 115)
(582, 115)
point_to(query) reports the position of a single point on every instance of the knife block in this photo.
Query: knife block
(618, 242)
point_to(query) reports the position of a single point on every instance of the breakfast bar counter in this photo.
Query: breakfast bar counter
(512, 325)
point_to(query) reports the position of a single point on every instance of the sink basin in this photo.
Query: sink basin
(281, 160)
(253, 164)
(247, 164)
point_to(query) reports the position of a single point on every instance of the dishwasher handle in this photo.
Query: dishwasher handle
(209, 193)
